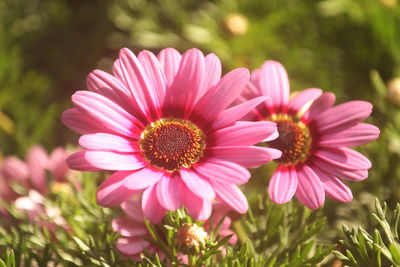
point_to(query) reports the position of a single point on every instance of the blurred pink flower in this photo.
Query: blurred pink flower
(161, 123)
(313, 139)
(32, 179)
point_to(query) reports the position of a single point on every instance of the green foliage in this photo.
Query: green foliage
(378, 247)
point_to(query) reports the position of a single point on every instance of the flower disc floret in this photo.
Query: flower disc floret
(294, 140)
(172, 143)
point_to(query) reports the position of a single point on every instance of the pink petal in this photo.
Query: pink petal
(246, 156)
(107, 85)
(283, 184)
(222, 95)
(233, 114)
(143, 178)
(344, 158)
(275, 83)
(152, 208)
(324, 102)
(299, 102)
(169, 192)
(14, 168)
(132, 246)
(223, 171)
(125, 227)
(245, 133)
(80, 123)
(197, 184)
(212, 73)
(310, 190)
(334, 187)
(170, 60)
(112, 192)
(57, 164)
(136, 79)
(359, 134)
(231, 196)
(334, 170)
(185, 88)
(37, 161)
(198, 208)
(104, 160)
(155, 72)
(133, 209)
(109, 142)
(342, 116)
(112, 116)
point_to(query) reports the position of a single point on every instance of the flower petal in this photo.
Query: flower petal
(223, 171)
(169, 192)
(136, 79)
(222, 94)
(170, 60)
(37, 161)
(57, 164)
(324, 102)
(143, 178)
(108, 142)
(198, 208)
(235, 113)
(246, 156)
(359, 134)
(302, 99)
(334, 187)
(273, 81)
(310, 190)
(104, 160)
(344, 158)
(245, 133)
(152, 208)
(334, 170)
(283, 184)
(133, 209)
(212, 73)
(155, 72)
(231, 196)
(78, 122)
(125, 227)
(108, 113)
(197, 184)
(112, 192)
(342, 116)
(132, 246)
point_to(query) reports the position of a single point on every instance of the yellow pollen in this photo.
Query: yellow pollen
(171, 143)
(294, 140)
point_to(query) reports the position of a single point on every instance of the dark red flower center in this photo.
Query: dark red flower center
(294, 140)
(172, 143)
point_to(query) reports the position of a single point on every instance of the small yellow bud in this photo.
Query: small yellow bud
(236, 24)
(394, 90)
(389, 3)
(191, 237)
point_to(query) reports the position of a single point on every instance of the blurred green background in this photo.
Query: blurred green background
(349, 47)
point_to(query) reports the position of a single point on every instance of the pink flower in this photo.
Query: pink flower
(314, 141)
(31, 176)
(161, 123)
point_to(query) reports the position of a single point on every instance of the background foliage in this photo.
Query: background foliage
(349, 47)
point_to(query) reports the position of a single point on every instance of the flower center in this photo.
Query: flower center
(172, 143)
(294, 140)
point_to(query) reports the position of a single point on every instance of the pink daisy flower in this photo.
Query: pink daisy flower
(314, 139)
(161, 123)
(31, 176)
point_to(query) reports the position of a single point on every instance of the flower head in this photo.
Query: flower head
(163, 125)
(314, 137)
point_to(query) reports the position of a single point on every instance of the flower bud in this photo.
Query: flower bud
(191, 238)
